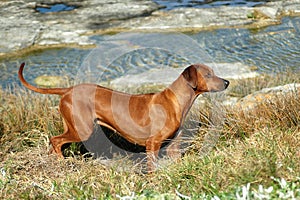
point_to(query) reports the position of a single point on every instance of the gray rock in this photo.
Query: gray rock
(251, 101)
(22, 28)
(164, 77)
(18, 31)
(193, 19)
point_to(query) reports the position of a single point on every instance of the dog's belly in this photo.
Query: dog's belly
(104, 138)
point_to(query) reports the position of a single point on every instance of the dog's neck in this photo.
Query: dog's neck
(184, 93)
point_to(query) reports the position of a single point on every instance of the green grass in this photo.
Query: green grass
(257, 154)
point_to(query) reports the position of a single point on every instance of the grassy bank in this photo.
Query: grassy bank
(257, 154)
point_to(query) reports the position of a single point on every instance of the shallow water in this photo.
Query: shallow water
(54, 8)
(269, 49)
(272, 48)
(172, 4)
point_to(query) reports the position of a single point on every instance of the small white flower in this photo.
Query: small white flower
(290, 169)
(181, 195)
(283, 183)
(216, 198)
(260, 189)
(263, 193)
(281, 195)
(245, 192)
(3, 172)
(126, 197)
(287, 195)
(269, 190)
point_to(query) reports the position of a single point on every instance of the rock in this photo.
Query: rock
(291, 7)
(251, 101)
(23, 28)
(165, 76)
(17, 31)
(194, 19)
(234, 70)
(266, 12)
(191, 19)
(49, 81)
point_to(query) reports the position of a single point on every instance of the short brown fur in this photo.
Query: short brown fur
(145, 119)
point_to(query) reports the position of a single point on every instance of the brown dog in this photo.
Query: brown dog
(145, 119)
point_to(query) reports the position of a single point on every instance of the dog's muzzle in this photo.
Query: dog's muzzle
(226, 83)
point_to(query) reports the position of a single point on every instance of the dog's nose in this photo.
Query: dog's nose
(226, 83)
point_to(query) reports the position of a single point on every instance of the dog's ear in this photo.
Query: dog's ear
(190, 75)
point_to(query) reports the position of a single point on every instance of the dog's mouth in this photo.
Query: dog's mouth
(223, 85)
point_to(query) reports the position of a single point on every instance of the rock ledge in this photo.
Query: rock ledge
(23, 28)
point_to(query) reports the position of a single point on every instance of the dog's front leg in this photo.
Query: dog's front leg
(152, 150)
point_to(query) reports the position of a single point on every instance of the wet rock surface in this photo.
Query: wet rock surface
(23, 28)
(192, 19)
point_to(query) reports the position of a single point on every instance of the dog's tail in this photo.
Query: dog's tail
(59, 91)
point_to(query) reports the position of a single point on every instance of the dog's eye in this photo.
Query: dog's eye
(209, 75)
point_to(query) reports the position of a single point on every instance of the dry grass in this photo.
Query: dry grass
(243, 87)
(253, 147)
(26, 119)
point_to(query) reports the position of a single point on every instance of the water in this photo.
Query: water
(54, 8)
(272, 48)
(172, 4)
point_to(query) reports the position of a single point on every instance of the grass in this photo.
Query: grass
(257, 154)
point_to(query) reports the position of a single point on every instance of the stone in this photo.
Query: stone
(49, 81)
(265, 95)
(267, 12)
(165, 76)
(23, 28)
(194, 19)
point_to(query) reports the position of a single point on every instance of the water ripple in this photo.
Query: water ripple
(275, 47)
(269, 49)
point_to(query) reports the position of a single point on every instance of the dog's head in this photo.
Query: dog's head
(202, 79)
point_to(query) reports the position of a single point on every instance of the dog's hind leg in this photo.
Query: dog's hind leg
(71, 134)
(68, 136)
